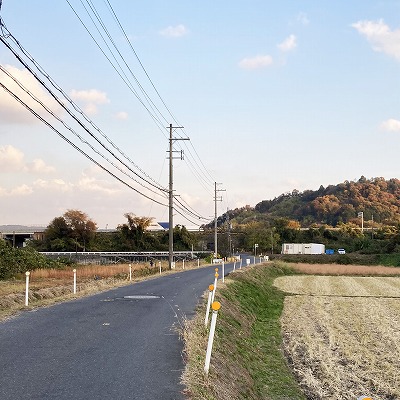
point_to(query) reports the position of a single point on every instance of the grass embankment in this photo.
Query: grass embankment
(247, 360)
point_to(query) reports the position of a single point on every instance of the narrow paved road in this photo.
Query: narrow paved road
(121, 344)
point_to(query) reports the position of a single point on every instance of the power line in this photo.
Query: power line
(74, 105)
(195, 170)
(74, 145)
(199, 170)
(122, 74)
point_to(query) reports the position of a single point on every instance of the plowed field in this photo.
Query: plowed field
(342, 335)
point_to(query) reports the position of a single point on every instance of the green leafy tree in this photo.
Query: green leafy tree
(133, 233)
(183, 239)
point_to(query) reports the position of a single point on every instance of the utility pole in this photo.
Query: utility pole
(361, 215)
(171, 194)
(229, 233)
(215, 214)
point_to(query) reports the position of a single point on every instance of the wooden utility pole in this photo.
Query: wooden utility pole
(171, 194)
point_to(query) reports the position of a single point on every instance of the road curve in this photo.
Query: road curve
(119, 344)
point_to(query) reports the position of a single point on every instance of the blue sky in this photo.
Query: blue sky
(274, 96)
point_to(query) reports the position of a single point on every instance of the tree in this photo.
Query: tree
(134, 231)
(72, 231)
(183, 239)
(82, 228)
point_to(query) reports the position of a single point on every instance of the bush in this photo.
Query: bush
(19, 260)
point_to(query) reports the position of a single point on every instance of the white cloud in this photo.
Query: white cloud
(39, 166)
(175, 31)
(303, 18)
(16, 192)
(391, 125)
(11, 159)
(53, 186)
(22, 190)
(256, 62)
(91, 184)
(90, 99)
(288, 44)
(122, 115)
(11, 111)
(382, 38)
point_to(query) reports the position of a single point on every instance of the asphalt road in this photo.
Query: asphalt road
(106, 346)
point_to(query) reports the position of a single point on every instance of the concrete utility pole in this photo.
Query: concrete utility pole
(171, 194)
(361, 215)
(215, 215)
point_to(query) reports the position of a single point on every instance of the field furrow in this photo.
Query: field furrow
(342, 339)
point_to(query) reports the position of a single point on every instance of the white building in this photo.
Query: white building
(303, 248)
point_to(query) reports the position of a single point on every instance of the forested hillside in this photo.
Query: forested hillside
(378, 199)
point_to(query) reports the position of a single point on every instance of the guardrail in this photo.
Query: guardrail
(121, 256)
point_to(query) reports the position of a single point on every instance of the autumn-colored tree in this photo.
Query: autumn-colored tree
(83, 228)
(72, 231)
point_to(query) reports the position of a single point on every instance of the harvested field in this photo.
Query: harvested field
(337, 269)
(341, 335)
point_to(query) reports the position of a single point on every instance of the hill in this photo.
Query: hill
(378, 199)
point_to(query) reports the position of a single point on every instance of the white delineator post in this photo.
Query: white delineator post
(241, 261)
(130, 272)
(74, 271)
(234, 265)
(198, 262)
(159, 264)
(27, 288)
(215, 307)
(215, 284)
(223, 271)
(183, 264)
(210, 293)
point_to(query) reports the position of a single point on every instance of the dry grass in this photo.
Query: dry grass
(228, 380)
(342, 335)
(336, 269)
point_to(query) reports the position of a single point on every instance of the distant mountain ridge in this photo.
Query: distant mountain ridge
(22, 228)
(378, 199)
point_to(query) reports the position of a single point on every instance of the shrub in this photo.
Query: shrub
(19, 260)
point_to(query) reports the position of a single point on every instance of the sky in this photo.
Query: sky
(274, 96)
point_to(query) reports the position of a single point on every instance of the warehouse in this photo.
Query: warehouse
(303, 248)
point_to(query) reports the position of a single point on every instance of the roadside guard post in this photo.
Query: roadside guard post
(159, 264)
(74, 271)
(27, 288)
(210, 293)
(130, 272)
(215, 307)
(215, 284)
(234, 265)
(223, 271)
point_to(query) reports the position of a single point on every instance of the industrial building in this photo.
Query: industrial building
(303, 248)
